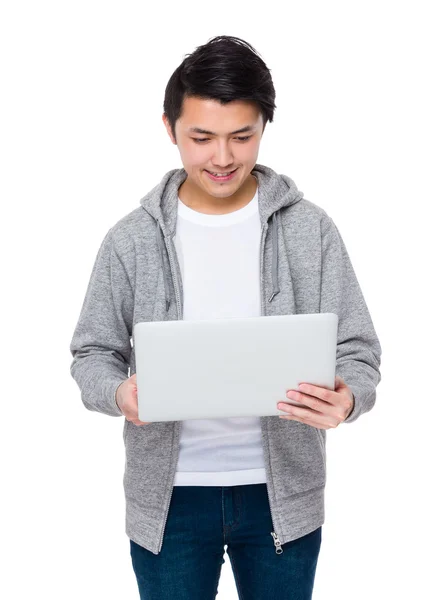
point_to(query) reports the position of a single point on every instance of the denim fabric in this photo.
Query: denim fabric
(201, 522)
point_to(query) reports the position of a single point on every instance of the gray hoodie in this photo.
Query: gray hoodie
(304, 268)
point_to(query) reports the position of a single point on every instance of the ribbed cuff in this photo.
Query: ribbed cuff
(110, 389)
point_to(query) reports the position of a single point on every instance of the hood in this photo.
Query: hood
(275, 191)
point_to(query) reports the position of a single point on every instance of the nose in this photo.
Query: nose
(223, 156)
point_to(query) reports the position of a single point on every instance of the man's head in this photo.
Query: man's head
(223, 87)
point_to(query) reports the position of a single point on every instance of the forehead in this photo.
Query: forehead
(207, 115)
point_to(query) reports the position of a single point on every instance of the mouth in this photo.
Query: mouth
(219, 177)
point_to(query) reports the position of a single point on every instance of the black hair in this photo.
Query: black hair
(226, 68)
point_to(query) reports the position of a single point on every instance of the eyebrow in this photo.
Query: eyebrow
(205, 131)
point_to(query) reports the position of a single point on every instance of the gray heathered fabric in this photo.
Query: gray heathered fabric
(304, 268)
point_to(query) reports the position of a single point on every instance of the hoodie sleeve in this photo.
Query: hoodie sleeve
(358, 348)
(101, 345)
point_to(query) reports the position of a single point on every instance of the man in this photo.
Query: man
(223, 237)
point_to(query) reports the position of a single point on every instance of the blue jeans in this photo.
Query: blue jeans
(201, 521)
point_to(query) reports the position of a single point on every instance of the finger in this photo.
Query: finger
(313, 402)
(306, 421)
(309, 417)
(316, 391)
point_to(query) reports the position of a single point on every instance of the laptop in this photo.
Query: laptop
(233, 367)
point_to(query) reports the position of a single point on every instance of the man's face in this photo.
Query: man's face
(221, 150)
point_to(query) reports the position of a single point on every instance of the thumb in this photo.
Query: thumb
(339, 382)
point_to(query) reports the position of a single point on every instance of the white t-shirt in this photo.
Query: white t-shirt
(219, 257)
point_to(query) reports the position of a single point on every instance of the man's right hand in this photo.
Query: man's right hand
(126, 398)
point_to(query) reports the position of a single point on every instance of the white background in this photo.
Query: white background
(82, 141)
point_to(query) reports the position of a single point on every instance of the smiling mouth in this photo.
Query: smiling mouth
(222, 172)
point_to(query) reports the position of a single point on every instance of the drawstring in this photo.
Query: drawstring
(275, 283)
(161, 255)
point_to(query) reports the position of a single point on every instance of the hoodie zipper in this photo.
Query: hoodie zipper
(276, 539)
(179, 311)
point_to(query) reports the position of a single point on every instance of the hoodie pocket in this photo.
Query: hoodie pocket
(298, 459)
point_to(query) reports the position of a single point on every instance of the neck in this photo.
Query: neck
(210, 205)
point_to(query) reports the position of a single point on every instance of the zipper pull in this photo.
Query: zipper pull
(277, 543)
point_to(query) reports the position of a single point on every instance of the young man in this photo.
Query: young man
(223, 237)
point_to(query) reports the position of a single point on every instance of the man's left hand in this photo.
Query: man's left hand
(324, 408)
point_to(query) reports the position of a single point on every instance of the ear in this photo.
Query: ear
(168, 127)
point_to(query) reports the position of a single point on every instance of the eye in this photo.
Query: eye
(200, 140)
